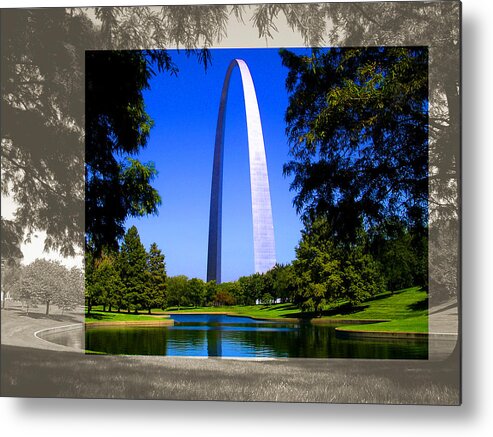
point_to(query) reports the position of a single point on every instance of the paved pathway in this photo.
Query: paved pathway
(18, 328)
(444, 329)
(444, 318)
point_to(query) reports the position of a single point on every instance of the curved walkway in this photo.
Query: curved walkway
(21, 329)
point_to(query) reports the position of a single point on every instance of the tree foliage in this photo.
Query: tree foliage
(327, 272)
(48, 282)
(282, 282)
(106, 287)
(196, 292)
(225, 294)
(392, 24)
(43, 67)
(117, 127)
(156, 267)
(402, 255)
(357, 125)
(10, 276)
(130, 279)
(177, 291)
(42, 89)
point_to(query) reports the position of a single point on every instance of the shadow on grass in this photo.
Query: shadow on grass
(279, 307)
(98, 316)
(342, 310)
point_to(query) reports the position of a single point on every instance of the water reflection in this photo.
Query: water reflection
(225, 336)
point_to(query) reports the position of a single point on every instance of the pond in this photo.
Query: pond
(214, 335)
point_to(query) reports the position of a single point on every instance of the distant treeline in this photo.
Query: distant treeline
(133, 279)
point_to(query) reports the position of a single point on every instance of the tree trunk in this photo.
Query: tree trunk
(47, 307)
(149, 310)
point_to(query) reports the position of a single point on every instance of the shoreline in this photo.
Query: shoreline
(327, 321)
(168, 322)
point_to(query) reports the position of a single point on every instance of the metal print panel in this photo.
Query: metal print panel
(122, 263)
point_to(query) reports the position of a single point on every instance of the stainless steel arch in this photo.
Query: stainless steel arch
(263, 227)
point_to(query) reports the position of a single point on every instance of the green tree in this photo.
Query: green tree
(133, 270)
(196, 291)
(252, 288)
(282, 282)
(319, 276)
(225, 294)
(156, 267)
(361, 277)
(267, 299)
(117, 128)
(403, 256)
(327, 272)
(396, 24)
(357, 123)
(106, 283)
(177, 291)
(209, 292)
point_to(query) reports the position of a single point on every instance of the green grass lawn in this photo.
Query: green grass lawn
(411, 302)
(100, 316)
(277, 311)
(406, 311)
(411, 324)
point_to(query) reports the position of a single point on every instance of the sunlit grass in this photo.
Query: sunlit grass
(412, 302)
(404, 310)
(100, 316)
(411, 324)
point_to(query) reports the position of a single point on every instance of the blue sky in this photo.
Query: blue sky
(184, 109)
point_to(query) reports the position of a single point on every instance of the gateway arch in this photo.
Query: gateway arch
(264, 251)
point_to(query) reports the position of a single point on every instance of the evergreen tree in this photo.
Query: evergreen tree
(155, 295)
(133, 270)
